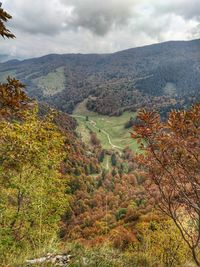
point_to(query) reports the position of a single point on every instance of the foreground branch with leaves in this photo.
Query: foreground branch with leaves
(172, 160)
(32, 189)
(4, 17)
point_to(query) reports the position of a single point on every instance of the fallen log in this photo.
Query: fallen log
(57, 260)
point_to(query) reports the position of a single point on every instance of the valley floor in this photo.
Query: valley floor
(109, 129)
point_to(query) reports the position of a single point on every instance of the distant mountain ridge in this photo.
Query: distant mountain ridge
(161, 76)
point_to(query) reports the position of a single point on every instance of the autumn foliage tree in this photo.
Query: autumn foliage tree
(32, 195)
(13, 101)
(4, 17)
(94, 139)
(172, 160)
(32, 189)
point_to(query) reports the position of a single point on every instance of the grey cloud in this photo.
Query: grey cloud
(172, 19)
(53, 16)
(99, 16)
(189, 9)
(195, 33)
(36, 17)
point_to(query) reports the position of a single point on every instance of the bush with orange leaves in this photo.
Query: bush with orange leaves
(172, 160)
(122, 238)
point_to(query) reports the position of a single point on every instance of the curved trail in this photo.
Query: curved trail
(93, 123)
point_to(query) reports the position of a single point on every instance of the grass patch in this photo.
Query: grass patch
(106, 164)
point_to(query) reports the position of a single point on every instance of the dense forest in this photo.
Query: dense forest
(58, 196)
(150, 76)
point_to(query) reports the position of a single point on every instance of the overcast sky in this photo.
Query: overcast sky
(97, 26)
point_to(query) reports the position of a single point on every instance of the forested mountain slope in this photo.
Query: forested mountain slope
(162, 75)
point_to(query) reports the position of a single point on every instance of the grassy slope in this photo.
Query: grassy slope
(114, 126)
(53, 82)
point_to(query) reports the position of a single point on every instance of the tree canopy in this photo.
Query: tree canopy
(172, 160)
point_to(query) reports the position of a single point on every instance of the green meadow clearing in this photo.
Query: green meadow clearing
(110, 130)
(52, 83)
